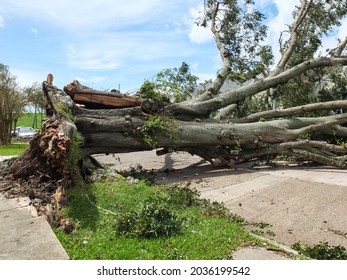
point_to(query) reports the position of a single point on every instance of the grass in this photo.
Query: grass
(28, 120)
(13, 149)
(207, 232)
(17, 148)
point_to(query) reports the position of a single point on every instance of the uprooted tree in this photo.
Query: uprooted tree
(253, 121)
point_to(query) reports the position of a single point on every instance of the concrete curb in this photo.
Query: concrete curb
(24, 235)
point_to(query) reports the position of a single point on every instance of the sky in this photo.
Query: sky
(108, 44)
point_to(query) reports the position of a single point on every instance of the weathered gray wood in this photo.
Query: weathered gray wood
(121, 130)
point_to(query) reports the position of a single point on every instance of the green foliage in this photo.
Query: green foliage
(182, 196)
(333, 85)
(322, 251)
(322, 16)
(157, 126)
(218, 209)
(175, 84)
(136, 172)
(94, 235)
(12, 103)
(242, 32)
(294, 93)
(149, 90)
(178, 83)
(37, 100)
(155, 219)
(252, 105)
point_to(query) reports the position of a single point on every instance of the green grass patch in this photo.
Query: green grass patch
(28, 120)
(205, 231)
(14, 149)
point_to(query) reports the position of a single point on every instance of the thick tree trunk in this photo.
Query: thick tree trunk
(126, 129)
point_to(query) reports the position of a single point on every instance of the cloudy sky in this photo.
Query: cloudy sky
(107, 43)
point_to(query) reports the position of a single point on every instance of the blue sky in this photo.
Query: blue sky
(107, 43)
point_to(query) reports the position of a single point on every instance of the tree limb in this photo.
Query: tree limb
(305, 6)
(204, 108)
(280, 113)
(225, 71)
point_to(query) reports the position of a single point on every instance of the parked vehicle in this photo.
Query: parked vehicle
(24, 132)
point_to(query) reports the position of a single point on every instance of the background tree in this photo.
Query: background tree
(176, 84)
(36, 100)
(12, 103)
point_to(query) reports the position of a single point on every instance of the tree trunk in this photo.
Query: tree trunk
(52, 154)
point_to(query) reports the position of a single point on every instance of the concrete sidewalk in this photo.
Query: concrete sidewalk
(24, 235)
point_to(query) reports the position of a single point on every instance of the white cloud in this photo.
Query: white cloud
(89, 59)
(108, 51)
(263, 3)
(331, 42)
(284, 17)
(279, 23)
(2, 22)
(205, 76)
(198, 34)
(106, 35)
(90, 80)
(81, 14)
(26, 77)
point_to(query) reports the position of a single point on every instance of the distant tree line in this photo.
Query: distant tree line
(13, 102)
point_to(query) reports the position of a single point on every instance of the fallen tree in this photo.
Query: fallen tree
(204, 125)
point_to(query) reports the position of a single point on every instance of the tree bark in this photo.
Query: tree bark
(124, 130)
(213, 103)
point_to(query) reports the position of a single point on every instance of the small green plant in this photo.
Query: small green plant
(156, 125)
(149, 90)
(321, 251)
(155, 219)
(263, 233)
(261, 225)
(217, 209)
(183, 196)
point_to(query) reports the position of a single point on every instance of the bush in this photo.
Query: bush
(183, 196)
(155, 219)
